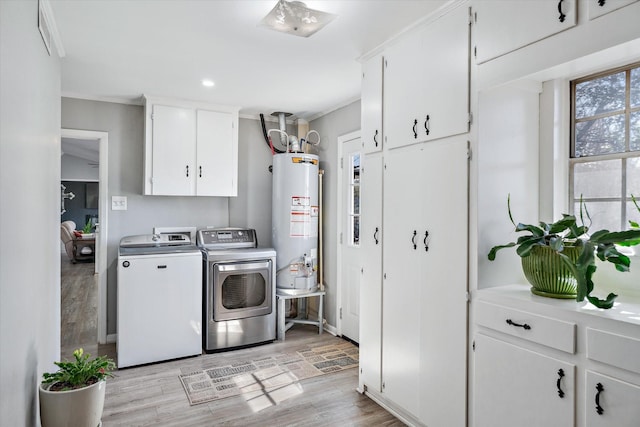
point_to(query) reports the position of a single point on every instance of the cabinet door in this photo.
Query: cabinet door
(401, 305)
(505, 26)
(402, 91)
(371, 105)
(518, 387)
(174, 151)
(445, 109)
(443, 301)
(371, 288)
(617, 400)
(217, 153)
(598, 7)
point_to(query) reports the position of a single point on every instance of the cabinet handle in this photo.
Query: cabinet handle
(560, 376)
(599, 389)
(375, 138)
(200, 171)
(415, 131)
(524, 325)
(562, 15)
(187, 173)
(426, 124)
(426, 245)
(375, 235)
(162, 266)
(601, 2)
(413, 240)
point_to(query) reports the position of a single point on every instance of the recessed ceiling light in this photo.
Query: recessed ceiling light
(207, 83)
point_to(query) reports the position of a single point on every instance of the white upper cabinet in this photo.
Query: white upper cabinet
(602, 7)
(190, 149)
(426, 82)
(505, 26)
(371, 104)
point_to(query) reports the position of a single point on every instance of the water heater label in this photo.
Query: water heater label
(300, 201)
(303, 220)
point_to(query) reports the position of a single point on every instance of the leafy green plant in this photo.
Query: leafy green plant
(567, 232)
(634, 224)
(81, 372)
(87, 228)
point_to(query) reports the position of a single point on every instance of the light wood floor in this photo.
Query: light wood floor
(79, 307)
(153, 394)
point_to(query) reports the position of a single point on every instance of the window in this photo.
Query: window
(604, 165)
(354, 199)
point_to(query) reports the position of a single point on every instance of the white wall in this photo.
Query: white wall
(29, 248)
(77, 169)
(330, 127)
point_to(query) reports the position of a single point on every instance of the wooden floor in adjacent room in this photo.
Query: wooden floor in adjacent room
(79, 307)
(153, 394)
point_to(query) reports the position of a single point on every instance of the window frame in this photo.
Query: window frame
(622, 156)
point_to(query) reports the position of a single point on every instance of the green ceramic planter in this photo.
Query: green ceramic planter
(548, 274)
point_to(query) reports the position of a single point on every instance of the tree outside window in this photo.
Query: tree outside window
(605, 146)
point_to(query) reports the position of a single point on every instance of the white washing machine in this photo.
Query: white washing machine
(159, 298)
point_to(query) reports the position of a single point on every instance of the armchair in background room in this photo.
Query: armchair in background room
(77, 249)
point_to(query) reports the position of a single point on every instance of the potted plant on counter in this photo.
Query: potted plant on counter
(74, 395)
(559, 259)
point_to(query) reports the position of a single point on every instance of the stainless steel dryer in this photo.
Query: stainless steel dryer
(239, 298)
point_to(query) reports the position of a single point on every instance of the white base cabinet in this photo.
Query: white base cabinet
(190, 149)
(530, 350)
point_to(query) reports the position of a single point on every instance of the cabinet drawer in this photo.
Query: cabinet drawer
(553, 333)
(615, 350)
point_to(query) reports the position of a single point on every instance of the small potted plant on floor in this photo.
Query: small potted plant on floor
(74, 395)
(559, 259)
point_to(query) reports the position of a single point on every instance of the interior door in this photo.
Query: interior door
(351, 275)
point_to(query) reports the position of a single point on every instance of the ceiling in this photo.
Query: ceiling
(86, 149)
(118, 50)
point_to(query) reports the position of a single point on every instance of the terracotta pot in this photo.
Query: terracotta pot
(73, 408)
(548, 274)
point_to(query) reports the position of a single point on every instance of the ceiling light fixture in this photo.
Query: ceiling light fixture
(207, 83)
(294, 17)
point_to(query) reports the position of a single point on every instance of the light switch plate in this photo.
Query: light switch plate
(118, 203)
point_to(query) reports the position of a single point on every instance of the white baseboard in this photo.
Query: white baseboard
(111, 338)
(408, 420)
(331, 329)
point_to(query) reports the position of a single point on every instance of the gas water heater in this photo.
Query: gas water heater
(295, 221)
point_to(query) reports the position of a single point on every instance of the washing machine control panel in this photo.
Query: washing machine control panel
(212, 238)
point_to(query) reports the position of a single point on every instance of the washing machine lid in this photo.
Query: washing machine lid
(227, 238)
(152, 240)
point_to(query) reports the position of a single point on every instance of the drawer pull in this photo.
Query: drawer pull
(601, 2)
(426, 124)
(415, 132)
(599, 389)
(375, 235)
(375, 138)
(524, 325)
(560, 376)
(413, 240)
(162, 267)
(426, 244)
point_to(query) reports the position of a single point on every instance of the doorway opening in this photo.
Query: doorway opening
(84, 260)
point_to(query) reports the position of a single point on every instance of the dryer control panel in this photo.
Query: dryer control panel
(227, 238)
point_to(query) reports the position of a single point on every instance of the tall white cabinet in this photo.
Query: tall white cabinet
(190, 149)
(413, 325)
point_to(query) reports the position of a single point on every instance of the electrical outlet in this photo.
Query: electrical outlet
(118, 203)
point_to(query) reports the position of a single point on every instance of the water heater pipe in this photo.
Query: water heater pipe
(320, 238)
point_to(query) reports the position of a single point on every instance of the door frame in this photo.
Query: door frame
(103, 204)
(341, 140)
